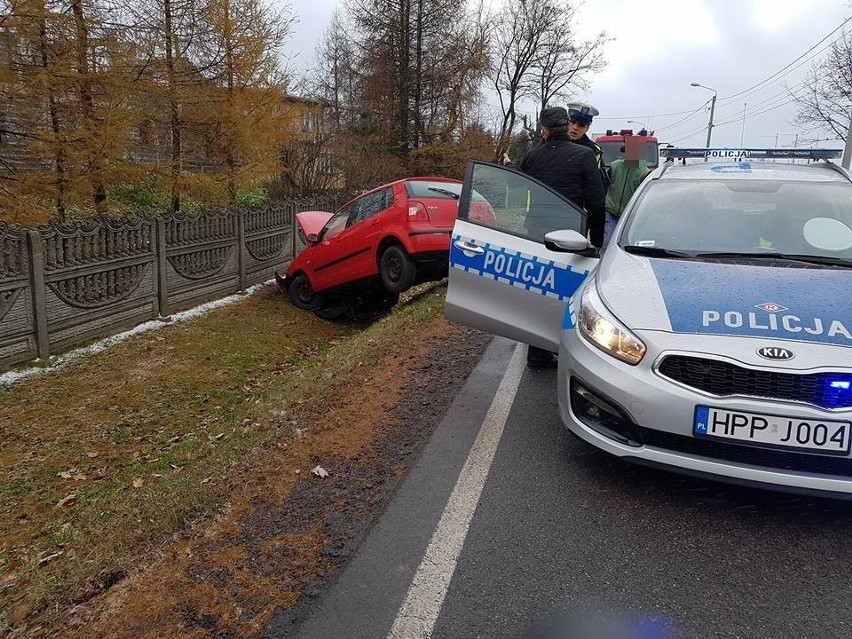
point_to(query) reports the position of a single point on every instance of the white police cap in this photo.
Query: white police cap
(582, 111)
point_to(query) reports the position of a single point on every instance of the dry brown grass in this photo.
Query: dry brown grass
(113, 457)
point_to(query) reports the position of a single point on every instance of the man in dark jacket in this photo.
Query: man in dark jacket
(569, 169)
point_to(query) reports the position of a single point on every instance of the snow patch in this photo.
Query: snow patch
(57, 362)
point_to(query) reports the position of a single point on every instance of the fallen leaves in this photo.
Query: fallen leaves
(71, 473)
(319, 471)
(138, 482)
(48, 555)
(68, 500)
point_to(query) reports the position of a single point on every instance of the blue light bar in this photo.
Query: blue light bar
(738, 154)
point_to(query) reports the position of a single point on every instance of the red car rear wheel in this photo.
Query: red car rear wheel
(397, 269)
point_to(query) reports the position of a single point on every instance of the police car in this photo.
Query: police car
(714, 337)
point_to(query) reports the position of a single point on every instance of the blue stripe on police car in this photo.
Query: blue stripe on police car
(758, 301)
(518, 269)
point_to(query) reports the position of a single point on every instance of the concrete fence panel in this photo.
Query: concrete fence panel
(18, 339)
(268, 242)
(202, 257)
(99, 277)
(64, 284)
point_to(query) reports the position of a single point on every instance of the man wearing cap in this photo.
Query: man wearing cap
(570, 170)
(580, 117)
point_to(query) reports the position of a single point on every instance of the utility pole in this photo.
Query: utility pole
(710, 125)
(847, 150)
(712, 109)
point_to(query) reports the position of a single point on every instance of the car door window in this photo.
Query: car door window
(371, 204)
(521, 205)
(337, 223)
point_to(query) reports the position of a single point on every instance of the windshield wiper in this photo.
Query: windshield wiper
(455, 196)
(654, 251)
(807, 259)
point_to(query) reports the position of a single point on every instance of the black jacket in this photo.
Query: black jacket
(570, 170)
(594, 146)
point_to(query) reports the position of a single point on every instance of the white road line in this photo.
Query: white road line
(419, 611)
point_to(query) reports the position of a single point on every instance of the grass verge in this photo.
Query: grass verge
(111, 458)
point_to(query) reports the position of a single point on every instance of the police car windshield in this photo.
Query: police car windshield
(745, 217)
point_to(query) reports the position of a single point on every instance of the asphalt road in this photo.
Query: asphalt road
(561, 532)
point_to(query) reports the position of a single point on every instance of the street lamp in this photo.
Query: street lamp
(712, 108)
(642, 124)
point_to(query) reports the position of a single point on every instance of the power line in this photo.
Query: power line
(689, 117)
(688, 135)
(727, 101)
(758, 109)
(835, 30)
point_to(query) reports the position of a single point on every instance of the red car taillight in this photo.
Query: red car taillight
(417, 212)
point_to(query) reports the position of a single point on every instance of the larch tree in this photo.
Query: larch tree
(65, 101)
(164, 32)
(34, 89)
(238, 53)
(103, 95)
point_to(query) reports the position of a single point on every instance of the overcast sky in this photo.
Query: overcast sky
(659, 47)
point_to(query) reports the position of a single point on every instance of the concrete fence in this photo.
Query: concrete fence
(64, 284)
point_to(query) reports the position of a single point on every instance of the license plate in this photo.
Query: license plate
(816, 435)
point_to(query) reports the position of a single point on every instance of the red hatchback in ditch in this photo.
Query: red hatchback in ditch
(358, 260)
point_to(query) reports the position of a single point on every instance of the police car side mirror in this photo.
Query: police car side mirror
(569, 242)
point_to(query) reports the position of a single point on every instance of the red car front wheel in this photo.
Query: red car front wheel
(302, 294)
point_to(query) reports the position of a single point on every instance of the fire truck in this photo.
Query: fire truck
(612, 141)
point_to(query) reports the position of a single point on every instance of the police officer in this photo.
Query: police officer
(580, 116)
(571, 170)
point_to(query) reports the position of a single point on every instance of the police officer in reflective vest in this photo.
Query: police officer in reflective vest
(580, 117)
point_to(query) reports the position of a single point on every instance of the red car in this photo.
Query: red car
(357, 261)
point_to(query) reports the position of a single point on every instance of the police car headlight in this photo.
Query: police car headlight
(601, 328)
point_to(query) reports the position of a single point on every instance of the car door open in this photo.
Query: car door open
(503, 279)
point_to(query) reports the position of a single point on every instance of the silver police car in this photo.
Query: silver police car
(714, 337)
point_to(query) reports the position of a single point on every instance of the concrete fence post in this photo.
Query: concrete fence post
(162, 273)
(39, 298)
(241, 248)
